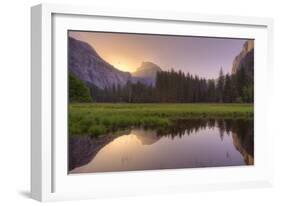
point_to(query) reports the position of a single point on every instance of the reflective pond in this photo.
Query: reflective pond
(188, 144)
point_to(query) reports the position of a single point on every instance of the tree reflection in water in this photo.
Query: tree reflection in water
(83, 149)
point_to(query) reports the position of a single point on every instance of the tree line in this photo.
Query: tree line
(177, 87)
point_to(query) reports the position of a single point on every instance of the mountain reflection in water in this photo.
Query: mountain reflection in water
(188, 144)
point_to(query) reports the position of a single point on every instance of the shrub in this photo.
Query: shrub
(78, 91)
(97, 130)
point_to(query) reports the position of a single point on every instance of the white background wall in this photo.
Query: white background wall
(15, 101)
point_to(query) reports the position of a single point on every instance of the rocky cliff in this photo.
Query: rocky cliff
(147, 69)
(245, 58)
(88, 66)
(146, 73)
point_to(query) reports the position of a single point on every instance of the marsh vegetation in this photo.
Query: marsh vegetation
(95, 119)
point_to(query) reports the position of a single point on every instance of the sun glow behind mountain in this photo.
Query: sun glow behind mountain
(123, 65)
(202, 56)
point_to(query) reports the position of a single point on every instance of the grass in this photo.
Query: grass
(96, 119)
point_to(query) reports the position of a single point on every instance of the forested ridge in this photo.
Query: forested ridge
(177, 87)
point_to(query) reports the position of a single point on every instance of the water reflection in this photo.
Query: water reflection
(188, 144)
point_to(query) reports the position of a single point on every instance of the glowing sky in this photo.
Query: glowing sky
(197, 55)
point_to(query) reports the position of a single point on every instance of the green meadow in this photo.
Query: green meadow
(96, 119)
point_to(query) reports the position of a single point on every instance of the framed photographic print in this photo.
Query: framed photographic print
(137, 102)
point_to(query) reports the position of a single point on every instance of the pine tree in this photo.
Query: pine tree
(211, 94)
(241, 81)
(220, 86)
(227, 96)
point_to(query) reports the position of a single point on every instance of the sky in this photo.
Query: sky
(202, 56)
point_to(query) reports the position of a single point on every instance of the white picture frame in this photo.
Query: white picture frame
(49, 179)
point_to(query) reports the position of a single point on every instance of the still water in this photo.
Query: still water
(189, 144)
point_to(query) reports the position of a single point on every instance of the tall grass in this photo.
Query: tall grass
(100, 118)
